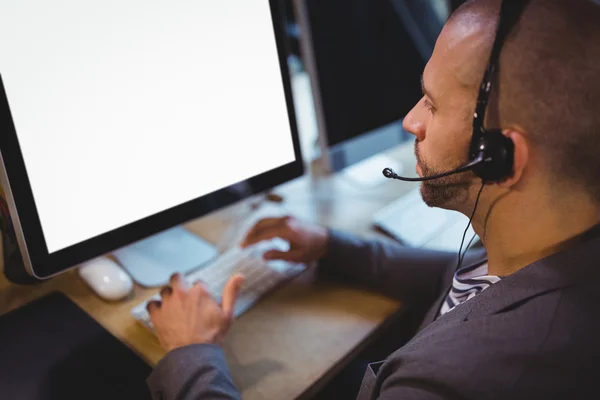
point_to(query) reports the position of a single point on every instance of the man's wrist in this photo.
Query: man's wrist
(210, 339)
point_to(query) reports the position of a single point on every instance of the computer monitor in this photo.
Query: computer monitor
(122, 120)
(365, 59)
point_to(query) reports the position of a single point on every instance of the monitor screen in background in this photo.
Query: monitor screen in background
(126, 108)
(368, 62)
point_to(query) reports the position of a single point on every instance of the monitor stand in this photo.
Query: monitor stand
(150, 262)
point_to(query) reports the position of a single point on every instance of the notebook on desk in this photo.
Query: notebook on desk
(50, 349)
(413, 223)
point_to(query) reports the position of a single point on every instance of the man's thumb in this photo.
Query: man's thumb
(230, 293)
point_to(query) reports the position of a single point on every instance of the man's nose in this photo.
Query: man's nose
(414, 125)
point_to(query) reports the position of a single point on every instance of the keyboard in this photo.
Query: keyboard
(415, 224)
(261, 276)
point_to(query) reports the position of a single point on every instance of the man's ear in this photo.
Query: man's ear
(521, 157)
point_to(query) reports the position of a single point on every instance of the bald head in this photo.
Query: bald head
(471, 30)
(546, 91)
(549, 79)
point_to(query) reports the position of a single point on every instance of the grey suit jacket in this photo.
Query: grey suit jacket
(533, 335)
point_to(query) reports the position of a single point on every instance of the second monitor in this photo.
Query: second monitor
(365, 59)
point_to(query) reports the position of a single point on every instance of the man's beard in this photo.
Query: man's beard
(447, 191)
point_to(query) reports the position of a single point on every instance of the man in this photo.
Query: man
(520, 321)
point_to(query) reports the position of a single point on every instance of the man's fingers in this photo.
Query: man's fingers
(268, 234)
(230, 293)
(261, 227)
(152, 306)
(200, 291)
(178, 282)
(175, 279)
(166, 291)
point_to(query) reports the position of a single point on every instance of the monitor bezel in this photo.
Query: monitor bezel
(42, 265)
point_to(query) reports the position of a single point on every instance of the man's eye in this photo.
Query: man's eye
(429, 106)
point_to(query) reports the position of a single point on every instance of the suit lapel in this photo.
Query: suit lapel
(564, 268)
(457, 314)
(476, 257)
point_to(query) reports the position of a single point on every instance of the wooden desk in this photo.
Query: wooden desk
(292, 342)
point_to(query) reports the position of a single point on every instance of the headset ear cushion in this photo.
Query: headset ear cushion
(498, 155)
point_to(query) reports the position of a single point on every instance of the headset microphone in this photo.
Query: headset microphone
(389, 173)
(491, 154)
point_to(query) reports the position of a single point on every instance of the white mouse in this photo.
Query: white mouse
(105, 277)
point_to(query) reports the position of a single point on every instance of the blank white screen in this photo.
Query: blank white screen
(126, 108)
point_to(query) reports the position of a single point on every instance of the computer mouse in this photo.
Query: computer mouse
(106, 278)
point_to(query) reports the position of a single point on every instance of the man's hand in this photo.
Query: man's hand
(308, 242)
(189, 315)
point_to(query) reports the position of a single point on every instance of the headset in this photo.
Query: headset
(491, 154)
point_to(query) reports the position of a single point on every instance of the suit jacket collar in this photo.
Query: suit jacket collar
(476, 256)
(575, 264)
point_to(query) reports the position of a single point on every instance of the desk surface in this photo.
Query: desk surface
(293, 341)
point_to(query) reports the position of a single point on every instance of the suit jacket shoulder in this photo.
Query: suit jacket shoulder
(531, 335)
